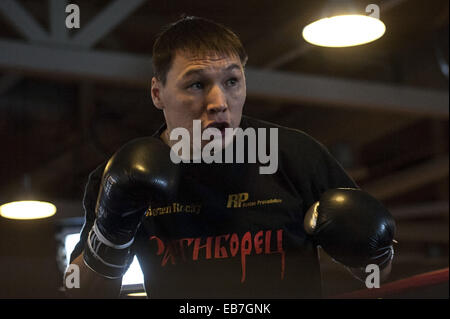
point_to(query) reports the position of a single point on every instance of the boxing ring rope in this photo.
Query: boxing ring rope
(406, 285)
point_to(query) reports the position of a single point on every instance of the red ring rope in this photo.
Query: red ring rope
(399, 286)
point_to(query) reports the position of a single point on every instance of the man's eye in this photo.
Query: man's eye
(196, 86)
(232, 81)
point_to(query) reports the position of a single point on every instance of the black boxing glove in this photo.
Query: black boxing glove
(139, 171)
(352, 227)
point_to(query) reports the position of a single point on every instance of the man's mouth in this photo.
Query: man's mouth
(221, 126)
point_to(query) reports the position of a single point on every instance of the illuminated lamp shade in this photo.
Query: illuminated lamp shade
(137, 294)
(344, 31)
(24, 204)
(27, 210)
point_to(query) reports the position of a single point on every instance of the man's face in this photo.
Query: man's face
(209, 88)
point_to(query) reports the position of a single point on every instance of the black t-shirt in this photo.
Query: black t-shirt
(233, 232)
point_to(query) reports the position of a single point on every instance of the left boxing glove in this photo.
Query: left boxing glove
(135, 174)
(352, 227)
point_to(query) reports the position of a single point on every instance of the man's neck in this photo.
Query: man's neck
(165, 137)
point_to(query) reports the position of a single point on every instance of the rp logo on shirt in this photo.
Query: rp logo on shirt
(236, 200)
(240, 200)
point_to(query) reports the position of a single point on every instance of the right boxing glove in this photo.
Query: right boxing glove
(138, 172)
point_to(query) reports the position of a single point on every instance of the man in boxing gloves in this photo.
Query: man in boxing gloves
(221, 230)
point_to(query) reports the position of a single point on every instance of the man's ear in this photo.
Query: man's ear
(156, 91)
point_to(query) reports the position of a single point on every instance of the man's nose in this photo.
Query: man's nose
(217, 101)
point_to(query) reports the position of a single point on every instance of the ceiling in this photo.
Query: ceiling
(70, 98)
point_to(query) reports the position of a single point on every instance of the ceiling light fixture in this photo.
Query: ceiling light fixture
(342, 26)
(26, 207)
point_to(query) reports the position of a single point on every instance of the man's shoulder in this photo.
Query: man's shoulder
(287, 135)
(248, 121)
